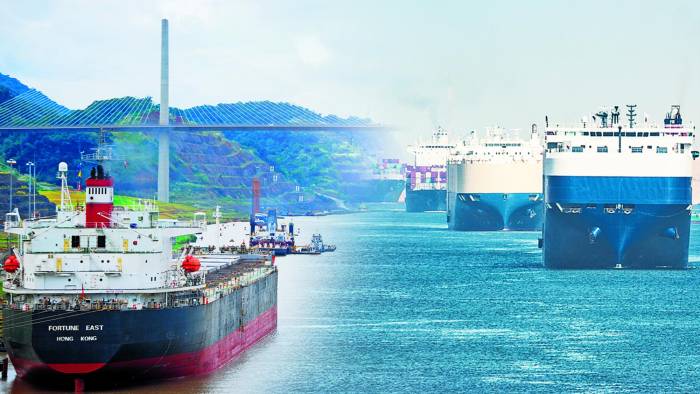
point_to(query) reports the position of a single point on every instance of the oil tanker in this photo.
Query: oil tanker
(95, 294)
(426, 177)
(618, 192)
(495, 183)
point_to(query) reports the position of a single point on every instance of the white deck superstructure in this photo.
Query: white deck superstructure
(497, 163)
(127, 257)
(434, 152)
(620, 148)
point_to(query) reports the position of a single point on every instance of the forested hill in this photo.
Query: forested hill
(299, 171)
(10, 87)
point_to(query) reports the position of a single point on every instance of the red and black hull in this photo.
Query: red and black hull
(142, 344)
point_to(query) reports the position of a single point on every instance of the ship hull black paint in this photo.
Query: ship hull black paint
(425, 200)
(495, 212)
(140, 344)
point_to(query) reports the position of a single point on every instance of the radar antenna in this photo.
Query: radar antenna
(603, 118)
(104, 152)
(615, 115)
(674, 117)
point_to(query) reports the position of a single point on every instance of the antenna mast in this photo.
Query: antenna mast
(631, 115)
(65, 193)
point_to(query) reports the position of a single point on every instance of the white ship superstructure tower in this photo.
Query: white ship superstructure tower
(434, 152)
(426, 176)
(96, 250)
(618, 191)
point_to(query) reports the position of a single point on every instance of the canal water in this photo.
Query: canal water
(405, 305)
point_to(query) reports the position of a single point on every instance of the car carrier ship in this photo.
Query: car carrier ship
(618, 193)
(426, 178)
(495, 183)
(95, 294)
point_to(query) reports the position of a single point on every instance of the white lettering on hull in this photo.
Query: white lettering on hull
(63, 328)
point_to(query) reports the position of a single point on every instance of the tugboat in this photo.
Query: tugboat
(95, 295)
(320, 247)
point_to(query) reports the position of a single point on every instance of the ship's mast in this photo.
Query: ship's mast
(65, 193)
(631, 114)
(217, 218)
(102, 154)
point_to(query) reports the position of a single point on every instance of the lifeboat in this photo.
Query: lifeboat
(191, 264)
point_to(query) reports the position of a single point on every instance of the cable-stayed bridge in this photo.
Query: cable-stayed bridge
(32, 111)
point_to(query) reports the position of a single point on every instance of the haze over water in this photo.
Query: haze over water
(405, 305)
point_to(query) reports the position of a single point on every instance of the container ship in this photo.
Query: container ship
(495, 183)
(383, 183)
(95, 294)
(426, 178)
(618, 193)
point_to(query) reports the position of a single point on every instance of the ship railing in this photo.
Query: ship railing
(166, 223)
(84, 305)
(141, 205)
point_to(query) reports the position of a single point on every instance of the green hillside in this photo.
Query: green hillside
(299, 171)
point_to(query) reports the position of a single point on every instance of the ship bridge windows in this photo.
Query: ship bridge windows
(602, 149)
(637, 149)
(577, 148)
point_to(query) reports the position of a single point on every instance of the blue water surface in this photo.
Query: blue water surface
(406, 305)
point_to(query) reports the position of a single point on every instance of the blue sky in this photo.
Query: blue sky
(414, 64)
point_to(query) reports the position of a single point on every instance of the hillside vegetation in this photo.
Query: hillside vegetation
(299, 171)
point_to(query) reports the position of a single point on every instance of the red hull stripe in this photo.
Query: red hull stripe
(76, 368)
(175, 365)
